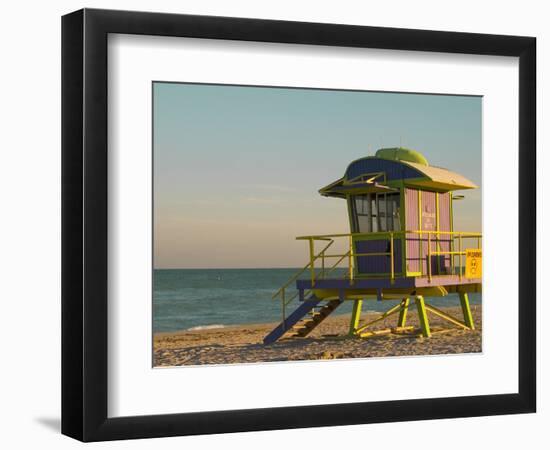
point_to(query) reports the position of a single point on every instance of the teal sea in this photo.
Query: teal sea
(186, 299)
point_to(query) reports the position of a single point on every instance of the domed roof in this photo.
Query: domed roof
(388, 168)
(402, 154)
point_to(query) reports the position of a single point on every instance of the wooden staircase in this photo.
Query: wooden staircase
(306, 325)
(304, 319)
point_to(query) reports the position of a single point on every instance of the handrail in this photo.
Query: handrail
(345, 255)
(282, 289)
(427, 236)
(387, 233)
(424, 236)
(322, 272)
(300, 272)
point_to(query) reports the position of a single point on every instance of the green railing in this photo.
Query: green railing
(455, 239)
(321, 255)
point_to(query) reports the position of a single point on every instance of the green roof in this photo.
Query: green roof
(402, 154)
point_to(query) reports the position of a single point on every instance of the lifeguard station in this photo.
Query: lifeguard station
(402, 245)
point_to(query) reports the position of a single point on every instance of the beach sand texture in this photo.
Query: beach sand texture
(243, 344)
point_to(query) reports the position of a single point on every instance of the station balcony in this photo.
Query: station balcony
(432, 261)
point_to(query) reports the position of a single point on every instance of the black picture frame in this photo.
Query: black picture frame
(84, 224)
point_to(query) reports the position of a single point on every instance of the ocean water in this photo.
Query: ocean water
(186, 299)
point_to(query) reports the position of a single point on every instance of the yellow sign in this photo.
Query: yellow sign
(474, 262)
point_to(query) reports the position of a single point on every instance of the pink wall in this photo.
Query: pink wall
(411, 223)
(445, 225)
(416, 246)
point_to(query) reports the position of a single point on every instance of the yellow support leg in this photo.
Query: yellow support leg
(465, 303)
(422, 316)
(388, 313)
(355, 316)
(403, 313)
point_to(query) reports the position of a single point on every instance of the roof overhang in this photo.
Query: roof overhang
(430, 178)
(437, 178)
(340, 188)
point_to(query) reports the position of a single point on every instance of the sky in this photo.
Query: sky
(237, 169)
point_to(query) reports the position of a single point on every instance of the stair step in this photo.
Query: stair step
(303, 320)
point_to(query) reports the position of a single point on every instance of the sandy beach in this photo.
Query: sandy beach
(243, 343)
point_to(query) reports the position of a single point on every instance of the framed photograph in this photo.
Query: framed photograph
(272, 224)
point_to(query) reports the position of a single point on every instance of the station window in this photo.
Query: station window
(376, 212)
